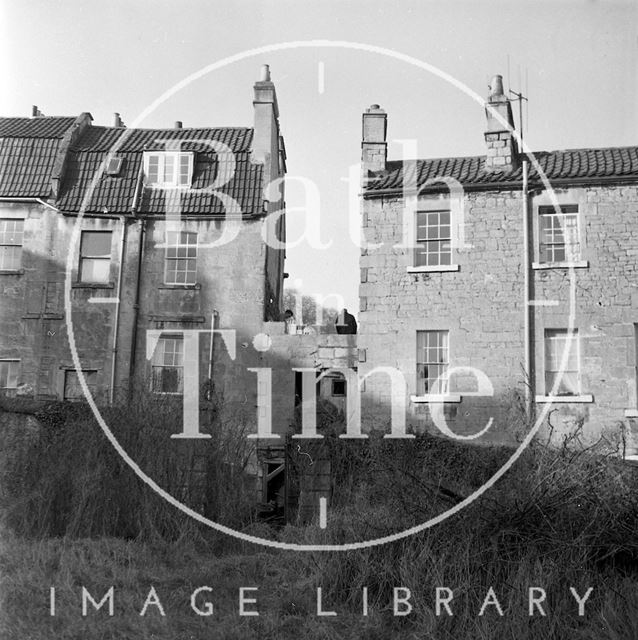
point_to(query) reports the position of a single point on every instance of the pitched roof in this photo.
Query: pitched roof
(575, 165)
(40, 127)
(28, 149)
(117, 194)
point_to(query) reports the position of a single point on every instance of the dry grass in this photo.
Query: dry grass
(560, 518)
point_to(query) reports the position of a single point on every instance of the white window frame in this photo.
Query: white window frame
(104, 258)
(424, 243)
(13, 239)
(632, 412)
(578, 395)
(180, 251)
(566, 211)
(9, 362)
(158, 362)
(440, 394)
(162, 158)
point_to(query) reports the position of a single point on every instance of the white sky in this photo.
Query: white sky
(579, 56)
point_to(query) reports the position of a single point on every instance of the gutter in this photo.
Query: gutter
(38, 200)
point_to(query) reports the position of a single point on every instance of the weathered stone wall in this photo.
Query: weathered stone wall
(481, 305)
(33, 327)
(321, 351)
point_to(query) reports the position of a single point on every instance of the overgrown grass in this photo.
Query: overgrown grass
(560, 518)
(68, 480)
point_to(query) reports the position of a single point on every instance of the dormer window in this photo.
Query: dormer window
(164, 169)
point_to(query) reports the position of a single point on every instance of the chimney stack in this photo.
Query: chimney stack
(374, 148)
(265, 145)
(35, 112)
(117, 121)
(502, 151)
(178, 124)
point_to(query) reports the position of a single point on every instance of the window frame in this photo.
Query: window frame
(162, 159)
(104, 257)
(178, 339)
(425, 363)
(422, 245)
(16, 265)
(578, 396)
(170, 260)
(632, 412)
(91, 385)
(568, 207)
(10, 361)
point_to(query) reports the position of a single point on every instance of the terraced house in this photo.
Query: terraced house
(160, 229)
(493, 281)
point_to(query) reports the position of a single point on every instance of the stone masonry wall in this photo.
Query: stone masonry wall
(481, 305)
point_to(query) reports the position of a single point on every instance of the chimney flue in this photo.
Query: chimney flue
(178, 124)
(374, 148)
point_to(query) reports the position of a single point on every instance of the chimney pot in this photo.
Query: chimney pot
(496, 89)
(265, 73)
(178, 124)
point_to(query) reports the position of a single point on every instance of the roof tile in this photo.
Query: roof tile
(572, 164)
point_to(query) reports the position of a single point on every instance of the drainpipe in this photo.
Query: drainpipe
(140, 256)
(214, 323)
(529, 373)
(118, 303)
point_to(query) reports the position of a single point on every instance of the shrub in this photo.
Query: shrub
(70, 480)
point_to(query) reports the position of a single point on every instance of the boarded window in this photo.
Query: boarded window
(73, 388)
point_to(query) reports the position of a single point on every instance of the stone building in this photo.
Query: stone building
(157, 239)
(493, 274)
(158, 229)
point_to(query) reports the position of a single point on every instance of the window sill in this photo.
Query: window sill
(180, 286)
(437, 398)
(92, 285)
(583, 398)
(578, 264)
(433, 268)
(631, 413)
(11, 272)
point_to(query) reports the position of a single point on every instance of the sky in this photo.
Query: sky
(574, 59)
